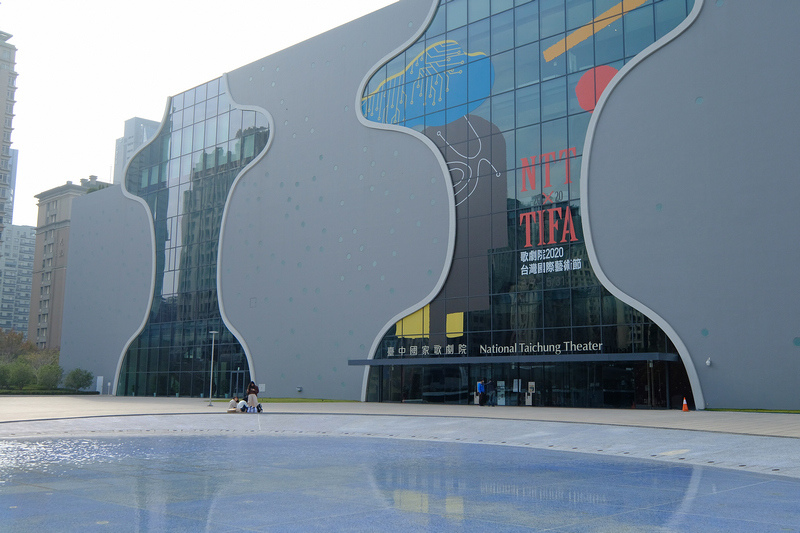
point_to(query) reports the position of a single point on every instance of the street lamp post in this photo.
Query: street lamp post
(211, 377)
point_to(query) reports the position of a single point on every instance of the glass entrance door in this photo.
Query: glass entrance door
(237, 383)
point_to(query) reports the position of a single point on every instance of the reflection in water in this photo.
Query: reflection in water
(48, 455)
(197, 482)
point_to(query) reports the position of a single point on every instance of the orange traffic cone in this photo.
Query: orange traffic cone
(685, 406)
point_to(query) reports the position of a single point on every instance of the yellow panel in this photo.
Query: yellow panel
(454, 506)
(415, 325)
(455, 325)
(411, 501)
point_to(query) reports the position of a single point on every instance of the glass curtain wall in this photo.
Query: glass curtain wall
(506, 88)
(184, 176)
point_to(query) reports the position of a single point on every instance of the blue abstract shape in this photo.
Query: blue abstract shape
(437, 78)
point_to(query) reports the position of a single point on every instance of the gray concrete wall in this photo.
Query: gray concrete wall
(690, 197)
(343, 226)
(109, 280)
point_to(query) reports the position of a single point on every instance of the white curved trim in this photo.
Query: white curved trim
(152, 243)
(451, 239)
(270, 137)
(691, 371)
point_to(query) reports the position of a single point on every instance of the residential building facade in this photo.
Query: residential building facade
(8, 157)
(50, 260)
(16, 275)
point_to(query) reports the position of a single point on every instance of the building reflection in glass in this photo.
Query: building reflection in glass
(489, 84)
(184, 175)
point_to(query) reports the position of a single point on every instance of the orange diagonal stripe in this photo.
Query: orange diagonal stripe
(584, 32)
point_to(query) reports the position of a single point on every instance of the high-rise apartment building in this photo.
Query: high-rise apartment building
(138, 132)
(8, 85)
(16, 274)
(50, 260)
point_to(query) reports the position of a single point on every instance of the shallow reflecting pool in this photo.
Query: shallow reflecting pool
(327, 483)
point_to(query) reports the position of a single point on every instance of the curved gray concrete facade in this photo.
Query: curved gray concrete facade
(109, 282)
(343, 226)
(690, 198)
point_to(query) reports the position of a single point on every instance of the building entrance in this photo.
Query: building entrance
(655, 384)
(237, 382)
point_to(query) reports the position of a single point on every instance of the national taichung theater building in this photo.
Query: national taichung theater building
(593, 203)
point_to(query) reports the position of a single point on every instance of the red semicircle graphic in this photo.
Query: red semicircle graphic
(592, 84)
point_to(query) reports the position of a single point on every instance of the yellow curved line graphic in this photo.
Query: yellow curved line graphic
(413, 62)
(584, 32)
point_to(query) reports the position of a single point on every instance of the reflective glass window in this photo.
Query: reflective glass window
(438, 25)
(188, 98)
(200, 112)
(527, 64)
(175, 144)
(211, 107)
(177, 120)
(222, 126)
(478, 37)
(609, 44)
(579, 13)
(478, 9)
(552, 17)
(527, 24)
(177, 102)
(554, 98)
(498, 6)
(668, 13)
(211, 132)
(456, 14)
(581, 56)
(504, 72)
(198, 136)
(200, 94)
(527, 109)
(503, 111)
(212, 88)
(639, 30)
(502, 32)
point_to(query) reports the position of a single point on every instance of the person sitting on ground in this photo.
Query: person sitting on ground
(242, 406)
(234, 403)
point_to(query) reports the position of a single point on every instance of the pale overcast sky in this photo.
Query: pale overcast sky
(85, 67)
